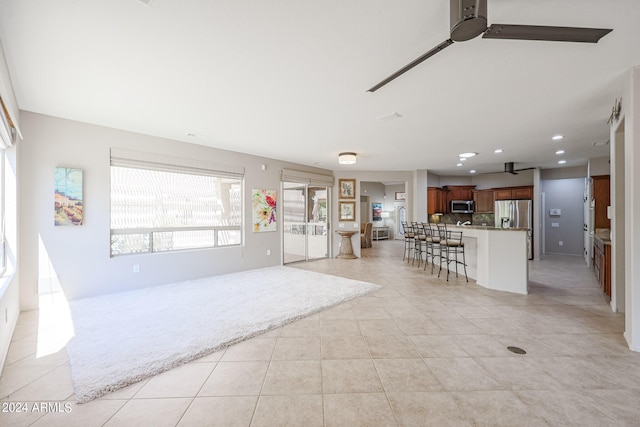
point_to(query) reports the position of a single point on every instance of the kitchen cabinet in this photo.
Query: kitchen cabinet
(601, 199)
(460, 192)
(437, 201)
(483, 200)
(513, 193)
(602, 263)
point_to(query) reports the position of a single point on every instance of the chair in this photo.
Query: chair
(420, 241)
(366, 235)
(451, 244)
(409, 244)
(430, 243)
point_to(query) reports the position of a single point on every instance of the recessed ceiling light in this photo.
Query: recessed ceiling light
(462, 159)
(562, 162)
(472, 171)
(459, 164)
(466, 155)
(560, 152)
(557, 137)
(498, 151)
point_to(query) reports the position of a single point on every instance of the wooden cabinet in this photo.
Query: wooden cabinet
(522, 193)
(502, 194)
(602, 264)
(483, 200)
(513, 193)
(437, 201)
(601, 198)
(460, 192)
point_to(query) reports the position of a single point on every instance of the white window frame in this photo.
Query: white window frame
(162, 163)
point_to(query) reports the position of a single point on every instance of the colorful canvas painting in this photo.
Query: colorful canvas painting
(264, 210)
(377, 211)
(68, 206)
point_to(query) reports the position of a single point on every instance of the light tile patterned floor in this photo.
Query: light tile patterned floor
(420, 352)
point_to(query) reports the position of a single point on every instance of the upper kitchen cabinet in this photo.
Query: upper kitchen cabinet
(483, 200)
(513, 193)
(601, 199)
(437, 201)
(460, 192)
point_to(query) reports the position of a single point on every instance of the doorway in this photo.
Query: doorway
(305, 214)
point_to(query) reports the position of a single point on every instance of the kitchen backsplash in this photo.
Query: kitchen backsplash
(452, 218)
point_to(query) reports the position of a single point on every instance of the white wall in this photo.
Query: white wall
(630, 217)
(599, 166)
(79, 256)
(500, 179)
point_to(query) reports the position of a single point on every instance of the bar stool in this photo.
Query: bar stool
(420, 240)
(433, 245)
(409, 244)
(452, 245)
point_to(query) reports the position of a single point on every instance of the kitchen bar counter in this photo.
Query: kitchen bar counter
(496, 257)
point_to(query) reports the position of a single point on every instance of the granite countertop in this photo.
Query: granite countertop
(486, 227)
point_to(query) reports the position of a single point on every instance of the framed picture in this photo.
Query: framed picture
(68, 202)
(264, 210)
(377, 211)
(402, 196)
(347, 211)
(347, 188)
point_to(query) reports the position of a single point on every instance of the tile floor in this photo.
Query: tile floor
(420, 351)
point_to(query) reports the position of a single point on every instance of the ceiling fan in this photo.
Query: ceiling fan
(469, 20)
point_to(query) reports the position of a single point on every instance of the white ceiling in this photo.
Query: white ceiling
(287, 79)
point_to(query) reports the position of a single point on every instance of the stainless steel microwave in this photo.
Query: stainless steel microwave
(462, 206)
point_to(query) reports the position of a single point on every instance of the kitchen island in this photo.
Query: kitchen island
(496, 257)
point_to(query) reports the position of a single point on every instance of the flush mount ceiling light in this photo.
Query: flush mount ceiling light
(466, 155)
(557, 137)
(347, 158)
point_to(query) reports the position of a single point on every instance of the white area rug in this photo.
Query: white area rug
(124, 338)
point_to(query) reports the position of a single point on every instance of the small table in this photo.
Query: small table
(346, 249)
(380, 233)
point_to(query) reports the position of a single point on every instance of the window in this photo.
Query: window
(159, 203)
(3, 254)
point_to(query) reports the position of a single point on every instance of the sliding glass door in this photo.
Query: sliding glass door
(305, 218)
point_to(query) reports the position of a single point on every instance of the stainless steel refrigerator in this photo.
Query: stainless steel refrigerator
(515, 214)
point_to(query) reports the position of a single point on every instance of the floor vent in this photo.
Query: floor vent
(516, 350)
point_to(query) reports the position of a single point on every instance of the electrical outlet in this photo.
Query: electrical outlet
(268, 252)
(136, 268)
(560, 243)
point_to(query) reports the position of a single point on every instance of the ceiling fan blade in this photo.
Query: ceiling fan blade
(540, 32)
(412, 64)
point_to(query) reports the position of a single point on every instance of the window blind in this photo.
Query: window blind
(124, 157)
(307, 178)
